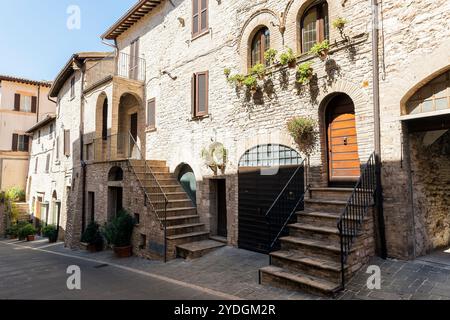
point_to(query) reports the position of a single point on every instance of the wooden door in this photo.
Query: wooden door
(221, 209)
(343, 157)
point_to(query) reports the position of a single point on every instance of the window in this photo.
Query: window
(314, 26)
(260, 44)
(39, 137)
(20, 143)
(91, 206)
(25, 103)
(47, 164)
(151, 113)
(105, 120)
(72, 88)
(200, 94)
(67, 143)
(57, 148)
(50, 136)
(199, 17)
(36, 164)
(134, 60)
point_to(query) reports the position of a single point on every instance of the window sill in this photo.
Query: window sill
(150, 130)
(199, 35)
(199, 118)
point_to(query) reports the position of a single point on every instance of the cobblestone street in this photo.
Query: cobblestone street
(228, 273)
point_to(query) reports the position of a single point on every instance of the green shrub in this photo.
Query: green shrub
(236, 79)
(15, 194)
(118, 232)
(258, 70)
(51, 232)
(27, 230)
(15, 227)
(251, 82)
(288, 57)
(303, 131)
(92, 235)
(270, 55)
(304, 72)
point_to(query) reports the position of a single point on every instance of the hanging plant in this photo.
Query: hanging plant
(251, 83)
(304, 132)
(215, 157)
(270, 56)
(259, 70)
(288, 58)
(339, 24)
(237, 80)
(304, 73)
(321, 49)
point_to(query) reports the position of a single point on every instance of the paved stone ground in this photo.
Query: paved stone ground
(233, 273)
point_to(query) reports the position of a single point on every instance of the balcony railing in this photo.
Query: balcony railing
(114, 147)
(123, 65)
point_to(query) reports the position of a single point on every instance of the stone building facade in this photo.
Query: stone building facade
(156, 88)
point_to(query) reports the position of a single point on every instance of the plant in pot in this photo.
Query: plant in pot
(227, 72)
(251, 83)
(259, 70)
(288, 58)
(339, 24)
(118, 233)
(321, 49)
(92, 237)
(236, 80)
(304, 73)
(270, 56)
(27, 232)
(51, 232)
(13, 231)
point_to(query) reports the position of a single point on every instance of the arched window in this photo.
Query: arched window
(115, 174)
(105, 120)
(314, 26)
(260, 44)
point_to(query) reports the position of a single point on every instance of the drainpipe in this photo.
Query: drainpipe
(83, 163)
(377, 125)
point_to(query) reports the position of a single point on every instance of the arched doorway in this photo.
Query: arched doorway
(342, 143)
(186, 177)
(130, 127)
(264, 171)
(56, 212)
(115, 192)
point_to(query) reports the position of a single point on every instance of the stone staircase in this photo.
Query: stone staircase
(310, 259)
(23, 211)
(187, 237)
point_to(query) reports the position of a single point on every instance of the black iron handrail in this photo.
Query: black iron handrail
(160, 194)
(351, 219)
(285, 205)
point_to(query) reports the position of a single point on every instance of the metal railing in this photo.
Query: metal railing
(285, 206)
(352, 218)
(121, 65)
(154, 193)
(113, 147)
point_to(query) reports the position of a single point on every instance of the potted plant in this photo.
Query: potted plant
(288, 58)
(227, 72)
(13, 231)
(339, 24)
(251, 83)
(118, 233)
(51, 232)
(237, 80)
(321, 49)
(270, 56)
(259, 70)
(303, 131)
(304, 73)
(27, 232)
(92, 237)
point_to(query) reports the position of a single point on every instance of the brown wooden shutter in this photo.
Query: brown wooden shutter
(26, 143)
(151, 113)
(33, 104)
(193, 94)
(17, 102)
(15, 140)
(195, 17)
(67, 143)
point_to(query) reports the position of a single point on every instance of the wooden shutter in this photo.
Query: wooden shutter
(26, 143)
(17, 102)
(203, 5)
(151, 113)
(193, 94)
(15, 140)
(33, 104)
(201, 94)
(47, 164)
(67, 143)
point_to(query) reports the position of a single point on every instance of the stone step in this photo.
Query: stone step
(173, 212)
(331, 193)
(170, 196)
(184, 238)
(167, 188)
(143, 176)
(180, 220)
(197, 249)
(326, 219)
(281, 278)
(185, 228)
(296, 262)
(321, 249)
(173, 204)
(334, 206)
(315, 232)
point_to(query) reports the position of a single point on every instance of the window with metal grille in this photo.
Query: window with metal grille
(269, 155)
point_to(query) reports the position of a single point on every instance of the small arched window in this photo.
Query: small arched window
(105, 119)
(314, 26)
(260, 44)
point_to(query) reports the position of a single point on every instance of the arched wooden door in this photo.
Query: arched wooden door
(342, 142)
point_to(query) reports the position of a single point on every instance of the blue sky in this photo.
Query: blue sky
(35, 41)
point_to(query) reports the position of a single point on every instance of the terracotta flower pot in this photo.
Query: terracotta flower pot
(31, 238)
(123, 252)
(323, 54)
(292, 64)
